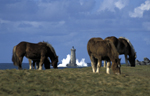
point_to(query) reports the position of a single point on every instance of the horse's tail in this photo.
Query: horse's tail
(15, 58)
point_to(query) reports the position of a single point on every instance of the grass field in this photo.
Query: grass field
(134, 81)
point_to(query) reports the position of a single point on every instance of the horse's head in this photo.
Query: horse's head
(116, 66)
(132, 61)
(54, 62)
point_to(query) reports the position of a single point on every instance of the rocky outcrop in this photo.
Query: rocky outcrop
(145, 62)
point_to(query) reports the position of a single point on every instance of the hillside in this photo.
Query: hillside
(75, 82)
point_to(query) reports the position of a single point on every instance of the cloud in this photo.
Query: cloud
(138, 11)
(39, 10)
(107, 4)
(121, 4)
(23, 25)
(110, 5)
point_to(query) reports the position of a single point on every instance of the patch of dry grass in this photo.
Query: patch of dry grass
(75, 81)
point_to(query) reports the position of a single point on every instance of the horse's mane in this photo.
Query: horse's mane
(51, 47)
(132, 48)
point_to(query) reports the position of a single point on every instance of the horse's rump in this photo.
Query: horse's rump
(91, 42)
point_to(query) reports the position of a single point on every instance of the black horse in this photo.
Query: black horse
(124, 46)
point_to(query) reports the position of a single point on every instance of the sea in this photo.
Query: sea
(5, 66)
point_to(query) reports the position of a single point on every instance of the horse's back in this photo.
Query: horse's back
(101, 48)
(105, 48)
(113, 39)
(94, 39)
(31, 50)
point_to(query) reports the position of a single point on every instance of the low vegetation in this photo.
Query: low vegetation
(134, 81)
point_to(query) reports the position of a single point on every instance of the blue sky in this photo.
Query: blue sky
(67, 23)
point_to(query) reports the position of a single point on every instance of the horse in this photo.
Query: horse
(103, 50)
(46, 64)
(35, 51)
(124, 46)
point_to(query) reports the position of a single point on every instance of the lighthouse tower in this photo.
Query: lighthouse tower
(72, 62)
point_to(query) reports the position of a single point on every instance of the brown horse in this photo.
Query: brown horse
(35, 51)
(99, 50)
(125, 47)
(46, 64)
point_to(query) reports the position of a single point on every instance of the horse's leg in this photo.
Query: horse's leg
(99, 65)
(37, 65)
(108, 67)
(47, 64)
(41, 62)
(20, 63)
(93, 64)
(33, 64)
(126, 59)
(105, 63)
(30, 62)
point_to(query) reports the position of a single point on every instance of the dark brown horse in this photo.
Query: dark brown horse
(125, 47)
(35, 51)
(99, 50)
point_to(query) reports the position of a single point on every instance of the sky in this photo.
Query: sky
(67, 23)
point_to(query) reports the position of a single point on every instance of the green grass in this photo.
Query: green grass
(134, 81)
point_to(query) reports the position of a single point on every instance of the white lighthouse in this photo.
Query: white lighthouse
(72, 62)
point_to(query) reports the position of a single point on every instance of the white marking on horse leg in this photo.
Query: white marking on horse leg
(98, 66)
(41, 62)
(30, 67)
(30, 62)
(37, 67)
(108, 68)
(40, 66)
(93, 67)
(104, 63)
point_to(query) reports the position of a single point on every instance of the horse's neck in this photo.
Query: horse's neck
(53, 57)
(131, 46)
(52, 52)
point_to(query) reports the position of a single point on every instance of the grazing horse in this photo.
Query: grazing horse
(103, 50)
(125, 47)
(35, 51)
(46, 64)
